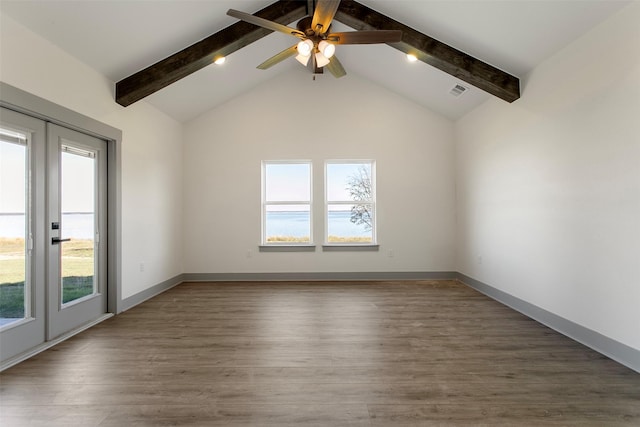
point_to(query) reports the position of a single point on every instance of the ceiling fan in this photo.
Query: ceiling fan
(316, 42)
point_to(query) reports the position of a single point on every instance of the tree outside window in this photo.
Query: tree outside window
(350, 202)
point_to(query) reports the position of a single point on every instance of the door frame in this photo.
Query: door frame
(20, 101)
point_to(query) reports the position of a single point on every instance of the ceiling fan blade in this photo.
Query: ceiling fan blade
(323, 15)
(265, 23)
(288, 52)
(336, 68)
(365, 37)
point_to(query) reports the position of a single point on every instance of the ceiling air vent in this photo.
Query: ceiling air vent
(458, 90)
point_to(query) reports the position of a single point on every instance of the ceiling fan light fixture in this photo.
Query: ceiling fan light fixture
(305, 47)
(220, 60)
(304, 60)
(411, 57)
(321, 60)
(313, 35)
(327, 49)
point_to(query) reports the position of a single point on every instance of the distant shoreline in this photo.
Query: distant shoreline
(63, 213)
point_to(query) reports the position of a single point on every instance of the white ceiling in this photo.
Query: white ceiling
(120, 37)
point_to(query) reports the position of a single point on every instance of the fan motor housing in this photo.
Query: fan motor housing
(304, 25)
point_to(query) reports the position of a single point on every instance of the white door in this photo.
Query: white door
(77, 229)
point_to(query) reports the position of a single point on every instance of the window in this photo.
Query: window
(15, 229)
(286, 203)
(350, 202)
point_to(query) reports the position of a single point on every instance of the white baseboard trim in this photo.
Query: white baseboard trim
(151, 292)
(319, 276)
(621, 353)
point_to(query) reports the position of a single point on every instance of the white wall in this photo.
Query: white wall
(151, 150)
(549, 187)
(282, 119)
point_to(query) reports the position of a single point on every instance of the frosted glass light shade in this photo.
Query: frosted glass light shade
(327, 49)
(305, 47)
(304, 60)
(321, 60)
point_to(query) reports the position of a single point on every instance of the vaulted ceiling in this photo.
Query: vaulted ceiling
(121, 38)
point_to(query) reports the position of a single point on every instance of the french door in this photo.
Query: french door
(52, 231)
(76, 252)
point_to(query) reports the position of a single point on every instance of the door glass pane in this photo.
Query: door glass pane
(14, 284)
(77, 201)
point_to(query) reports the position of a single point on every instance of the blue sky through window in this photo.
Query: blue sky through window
(338, 176)
(288, 182)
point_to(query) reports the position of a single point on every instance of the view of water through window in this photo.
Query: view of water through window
(296, 224)
(14, 296)
(349, 208)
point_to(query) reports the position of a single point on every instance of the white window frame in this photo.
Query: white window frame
(327, 203)
(266, 204)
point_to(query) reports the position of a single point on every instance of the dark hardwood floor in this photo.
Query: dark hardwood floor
(322, 354)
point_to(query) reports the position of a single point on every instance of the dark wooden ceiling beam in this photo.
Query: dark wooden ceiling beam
(433, 52)
(204, 52)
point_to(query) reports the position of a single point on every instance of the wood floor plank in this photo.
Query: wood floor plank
(319, 353)
(478, 414)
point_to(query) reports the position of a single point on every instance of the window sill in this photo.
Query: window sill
(355, 248)
(287, 248)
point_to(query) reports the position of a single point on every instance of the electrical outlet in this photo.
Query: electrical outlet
(249, 253)
(142, 267)
(390, 254)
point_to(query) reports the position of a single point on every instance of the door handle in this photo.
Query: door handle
(56, 240)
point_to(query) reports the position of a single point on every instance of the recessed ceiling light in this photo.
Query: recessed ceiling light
(411, 57)
(220, 60)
